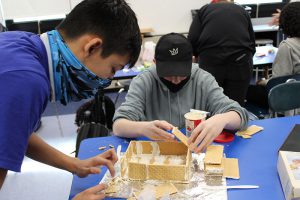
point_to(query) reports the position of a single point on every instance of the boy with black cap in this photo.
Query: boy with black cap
(159, 97)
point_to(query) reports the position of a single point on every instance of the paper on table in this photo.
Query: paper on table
(264, 51)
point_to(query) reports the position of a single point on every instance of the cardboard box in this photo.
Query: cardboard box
(146, 160)
(288, 165)
(289, 172)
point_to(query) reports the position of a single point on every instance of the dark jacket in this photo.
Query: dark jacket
(221, 33)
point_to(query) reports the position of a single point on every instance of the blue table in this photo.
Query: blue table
(268, 58)
(257, 159)
(264, 61)
(125, 74)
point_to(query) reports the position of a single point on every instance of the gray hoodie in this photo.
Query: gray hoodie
(287, 60)
(149, 99)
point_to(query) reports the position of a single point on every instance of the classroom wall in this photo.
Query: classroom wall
(34, 8)
(1, 13)
(163, 16)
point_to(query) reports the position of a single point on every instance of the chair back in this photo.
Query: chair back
(285, 97)
(49, 25)
(101, 108)
(281, 79)
(29, 26)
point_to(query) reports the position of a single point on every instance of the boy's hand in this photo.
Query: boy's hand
(93, 193)
(91, 165)
(156, 130)
(262, 82)
(275, 18)
(204, 134)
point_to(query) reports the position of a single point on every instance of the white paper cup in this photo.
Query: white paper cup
(192, 120)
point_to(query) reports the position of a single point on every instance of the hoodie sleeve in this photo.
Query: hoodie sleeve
(283, 64)
(217, 102)
(134, 106)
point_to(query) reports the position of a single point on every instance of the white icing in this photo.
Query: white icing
(155, 148)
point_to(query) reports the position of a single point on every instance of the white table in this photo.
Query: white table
(262, 24)
(263, 60)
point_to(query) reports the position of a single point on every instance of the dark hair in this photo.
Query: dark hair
(112, 20)
(289, 20)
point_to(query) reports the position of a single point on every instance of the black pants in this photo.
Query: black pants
(233, 77)
(258, 95)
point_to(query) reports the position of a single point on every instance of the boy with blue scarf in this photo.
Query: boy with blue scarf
(96, 39)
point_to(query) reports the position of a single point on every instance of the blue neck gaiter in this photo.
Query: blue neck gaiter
(72, 80)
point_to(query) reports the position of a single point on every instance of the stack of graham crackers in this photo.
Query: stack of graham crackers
(216, 166)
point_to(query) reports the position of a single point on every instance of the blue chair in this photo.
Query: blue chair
(124, 84)
(281, 79)
(284, 97)
(259, 104)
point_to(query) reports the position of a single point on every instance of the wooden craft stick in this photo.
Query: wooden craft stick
(102, 148)
(180, 135)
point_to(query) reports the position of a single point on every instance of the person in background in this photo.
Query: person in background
(96, 39)
(159, 97)
(287, 60)
(275, 18)
(223, 42)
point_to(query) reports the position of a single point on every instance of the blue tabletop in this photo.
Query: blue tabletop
(268, 57)
(126, 74)
(257, 160)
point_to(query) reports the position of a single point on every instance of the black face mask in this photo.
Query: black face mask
(174, 87)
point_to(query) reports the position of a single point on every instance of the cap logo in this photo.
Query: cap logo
(174, 51)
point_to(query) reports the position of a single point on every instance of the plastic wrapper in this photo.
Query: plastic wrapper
(197, 188)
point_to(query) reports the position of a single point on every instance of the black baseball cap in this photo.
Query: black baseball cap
(173, 55)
